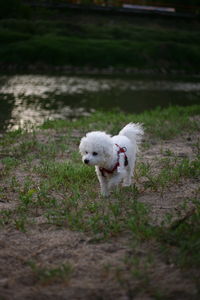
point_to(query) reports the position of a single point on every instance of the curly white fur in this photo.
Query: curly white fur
(102, 151)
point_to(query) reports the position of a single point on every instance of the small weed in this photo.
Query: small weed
(197, 147)
(168, 152)
(20, 223)
(26, 198)
(14, 183)
(5, 217)
(47, 275)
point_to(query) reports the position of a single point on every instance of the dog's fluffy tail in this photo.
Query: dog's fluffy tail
(133, 131)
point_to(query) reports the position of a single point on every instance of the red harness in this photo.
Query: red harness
(121, 150)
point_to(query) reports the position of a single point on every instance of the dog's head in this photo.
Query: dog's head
(96, 148)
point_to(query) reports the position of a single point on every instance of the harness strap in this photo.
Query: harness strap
(121, 150)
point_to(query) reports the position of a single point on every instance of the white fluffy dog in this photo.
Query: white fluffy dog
(113, 157)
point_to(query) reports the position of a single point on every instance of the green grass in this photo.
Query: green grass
(172, 171)
(65, 174)
(46, 275)
(97, 42)
(162, 124)
(185, 236)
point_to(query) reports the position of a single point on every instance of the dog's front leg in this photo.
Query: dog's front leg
(115, 180)
(103, 183)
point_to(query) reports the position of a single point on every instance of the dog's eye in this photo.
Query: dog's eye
(94, 153)
(86, 152)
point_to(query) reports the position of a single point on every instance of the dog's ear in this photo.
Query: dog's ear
(108, 150)
(82, 145)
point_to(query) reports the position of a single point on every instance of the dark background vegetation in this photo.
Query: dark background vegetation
(39, 34)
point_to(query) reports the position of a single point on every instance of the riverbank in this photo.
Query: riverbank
(44, 69)
(82, 42)
(60, 238)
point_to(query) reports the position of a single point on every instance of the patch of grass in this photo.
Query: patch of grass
(138, 222)
(65, 174)
(10, 162)
(48, 275)
(11, 137)
(8, 36)
(101, 217)
(21, 223)
(160, 123)
(172, 171)
(184, 235)
(6, 216)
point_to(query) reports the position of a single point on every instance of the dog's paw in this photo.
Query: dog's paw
(105, 194)
(126, 183)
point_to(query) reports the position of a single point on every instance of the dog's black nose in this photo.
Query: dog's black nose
(86, 161)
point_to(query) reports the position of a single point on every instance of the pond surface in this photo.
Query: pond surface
(27, 100)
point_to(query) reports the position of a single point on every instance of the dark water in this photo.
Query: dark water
(31, 99)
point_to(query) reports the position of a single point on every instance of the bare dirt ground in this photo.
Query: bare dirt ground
(99, 268)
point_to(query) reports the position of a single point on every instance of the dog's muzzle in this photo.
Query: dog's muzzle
(86, 161)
